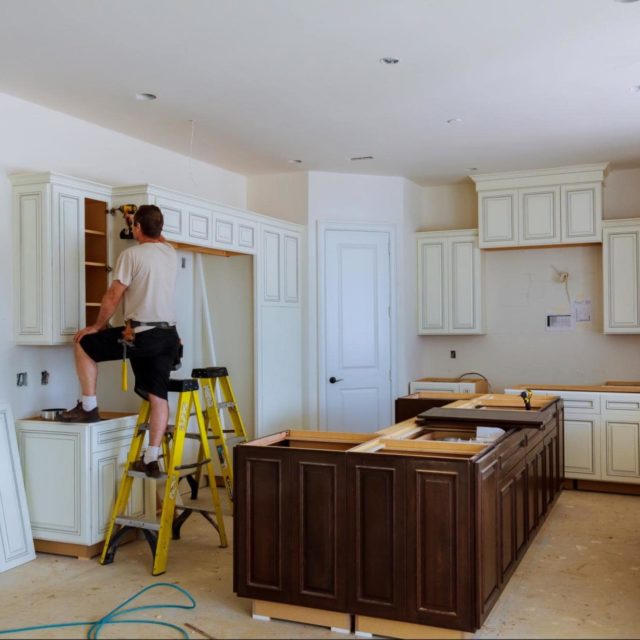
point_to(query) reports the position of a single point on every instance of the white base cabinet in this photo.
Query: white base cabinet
(602, 434)
(71, 474)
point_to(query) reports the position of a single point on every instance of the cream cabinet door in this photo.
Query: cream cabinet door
(581, 211)
(449, 283)
(107, 468)
(16, 541)
(175, 217)
(582, 446)
(433, 299)
(620, 261)
(498, 218)
(539, 215)
(199, 226)
(67, 225)
(465, 312)
(621, 449)
(57, 480)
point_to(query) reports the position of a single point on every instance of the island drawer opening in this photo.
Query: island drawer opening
(323, 440)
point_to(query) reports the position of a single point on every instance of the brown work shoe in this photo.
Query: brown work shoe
(150, 469)
(78, 414)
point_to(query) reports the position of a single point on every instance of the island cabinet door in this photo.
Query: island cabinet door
(262, 531)
(512, 505)
(487, 535)
(375, 504)
(319, 546)
(439, 545)
(536, 485)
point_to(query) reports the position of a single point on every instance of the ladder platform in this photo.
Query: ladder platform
(179, 386)
(138, 524)
(210, 372)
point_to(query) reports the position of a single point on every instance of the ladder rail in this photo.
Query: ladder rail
(159, 534)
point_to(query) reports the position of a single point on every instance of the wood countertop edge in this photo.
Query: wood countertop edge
(601, 388)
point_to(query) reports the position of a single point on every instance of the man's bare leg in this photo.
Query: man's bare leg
(158, 419)
(87, 370)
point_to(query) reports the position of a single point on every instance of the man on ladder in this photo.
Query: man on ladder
(144, 280)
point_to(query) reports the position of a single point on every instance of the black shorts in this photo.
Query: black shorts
(152, 357)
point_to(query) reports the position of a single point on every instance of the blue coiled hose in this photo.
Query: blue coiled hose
(113, 617)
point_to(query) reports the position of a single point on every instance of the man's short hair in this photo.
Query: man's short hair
(150, 219)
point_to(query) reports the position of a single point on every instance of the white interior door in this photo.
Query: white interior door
(356, 288)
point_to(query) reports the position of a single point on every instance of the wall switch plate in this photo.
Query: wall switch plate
(22, 379)
(452, 353)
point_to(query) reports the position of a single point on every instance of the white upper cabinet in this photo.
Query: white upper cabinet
(194, 221)
(621, 275)
(54, 258)
(280, 265)
(537, 208)
(449, 283)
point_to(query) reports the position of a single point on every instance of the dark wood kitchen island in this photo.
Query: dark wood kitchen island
(419, 525)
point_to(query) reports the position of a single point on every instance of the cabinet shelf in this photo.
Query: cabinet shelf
(95, 264)
(94, 232)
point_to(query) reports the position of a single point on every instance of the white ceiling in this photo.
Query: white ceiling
(537, 83)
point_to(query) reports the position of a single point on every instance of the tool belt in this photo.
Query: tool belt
(157, 325)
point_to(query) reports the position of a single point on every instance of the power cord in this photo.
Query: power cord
(475, 373)
(111, 617)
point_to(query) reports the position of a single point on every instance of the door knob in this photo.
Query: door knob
(333, 379)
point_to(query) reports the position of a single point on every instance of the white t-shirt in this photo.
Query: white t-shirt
(148, 271)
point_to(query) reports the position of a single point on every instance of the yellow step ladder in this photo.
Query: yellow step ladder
(212, 378)
(158, 534)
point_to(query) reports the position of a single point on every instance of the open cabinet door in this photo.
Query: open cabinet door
(16, 542)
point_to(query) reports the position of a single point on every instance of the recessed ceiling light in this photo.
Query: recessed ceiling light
(361, 158)
(454, 120)
(389, 60)
(626, 1)
(146, 96)
(473, 169)
(636, 89)
(294, 161)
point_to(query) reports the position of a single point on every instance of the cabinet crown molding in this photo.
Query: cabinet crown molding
(620, 222)
(448, 233)
(49, 177)
(541, 177)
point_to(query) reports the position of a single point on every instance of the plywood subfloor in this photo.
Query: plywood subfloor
(579, 579)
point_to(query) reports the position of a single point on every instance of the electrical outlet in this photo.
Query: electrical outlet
(452, 353)
(22, 379)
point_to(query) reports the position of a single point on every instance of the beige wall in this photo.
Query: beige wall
(283, 196)
(520, 289)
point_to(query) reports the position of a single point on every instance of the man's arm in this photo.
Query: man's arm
(108, 305)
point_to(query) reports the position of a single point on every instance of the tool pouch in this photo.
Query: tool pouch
(177, 361)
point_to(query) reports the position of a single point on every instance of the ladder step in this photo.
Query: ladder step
(142, 474)
(226, 405)
(138, 524)
(193, 465)
(193, 507)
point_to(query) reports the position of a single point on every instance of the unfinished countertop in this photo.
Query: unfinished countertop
(610, 386)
